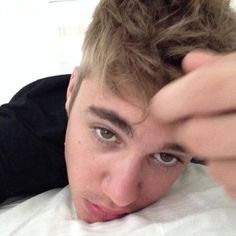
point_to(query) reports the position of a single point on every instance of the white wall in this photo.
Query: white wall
(39, 38)
(233, 3)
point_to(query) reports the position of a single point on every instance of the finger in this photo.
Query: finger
(197, 58)
(211, 137)
(207, 90)
(224, 173)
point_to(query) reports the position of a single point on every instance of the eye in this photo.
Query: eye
(166, 158)
(105, 134)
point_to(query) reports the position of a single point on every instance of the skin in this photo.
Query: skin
(204, 119)
(118, 160)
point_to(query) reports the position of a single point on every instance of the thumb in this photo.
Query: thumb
(197, 58)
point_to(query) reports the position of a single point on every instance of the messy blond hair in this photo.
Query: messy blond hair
(135, 47)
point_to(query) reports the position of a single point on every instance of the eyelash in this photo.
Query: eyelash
(166, 165)
(116, 142)
(103, 140)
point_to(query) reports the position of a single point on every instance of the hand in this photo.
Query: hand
(201, 106)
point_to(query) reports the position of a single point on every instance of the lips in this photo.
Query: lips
(102, 213)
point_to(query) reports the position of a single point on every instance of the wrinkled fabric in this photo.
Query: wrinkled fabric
(195, 206)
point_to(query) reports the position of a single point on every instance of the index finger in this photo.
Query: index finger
(207, 90)
(197, 58)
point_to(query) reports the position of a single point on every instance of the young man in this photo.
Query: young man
(127, 138)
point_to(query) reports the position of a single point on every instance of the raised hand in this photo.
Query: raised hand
(201, 108)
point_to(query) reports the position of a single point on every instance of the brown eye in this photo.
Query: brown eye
(105, 134)
(166, 158)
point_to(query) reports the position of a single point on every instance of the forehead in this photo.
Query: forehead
(93, 93)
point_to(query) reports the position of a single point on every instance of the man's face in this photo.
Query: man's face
(118, 161)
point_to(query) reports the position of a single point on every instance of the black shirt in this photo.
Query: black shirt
(32, 132)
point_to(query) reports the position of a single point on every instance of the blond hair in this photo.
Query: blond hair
(136, 46)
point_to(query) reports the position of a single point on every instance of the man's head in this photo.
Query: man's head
(119, 158)
(137, 46)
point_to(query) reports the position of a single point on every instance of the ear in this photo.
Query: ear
(71, 87)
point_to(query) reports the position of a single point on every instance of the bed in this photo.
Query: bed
(196, 205)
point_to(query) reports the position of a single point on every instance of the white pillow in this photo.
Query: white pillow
(194, 206)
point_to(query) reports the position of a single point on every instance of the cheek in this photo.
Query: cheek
(76, 142)
(160, 182)
(79, 158)
(85, 165)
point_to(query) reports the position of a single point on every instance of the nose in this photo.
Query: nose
(122, 184)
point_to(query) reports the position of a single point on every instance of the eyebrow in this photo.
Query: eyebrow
(175, 147)
(113, 117)
(121, 123)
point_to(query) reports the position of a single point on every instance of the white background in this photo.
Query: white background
(39, 38)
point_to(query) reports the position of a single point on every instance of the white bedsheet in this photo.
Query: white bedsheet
(194, 206)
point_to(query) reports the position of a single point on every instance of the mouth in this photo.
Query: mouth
(102, 213)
